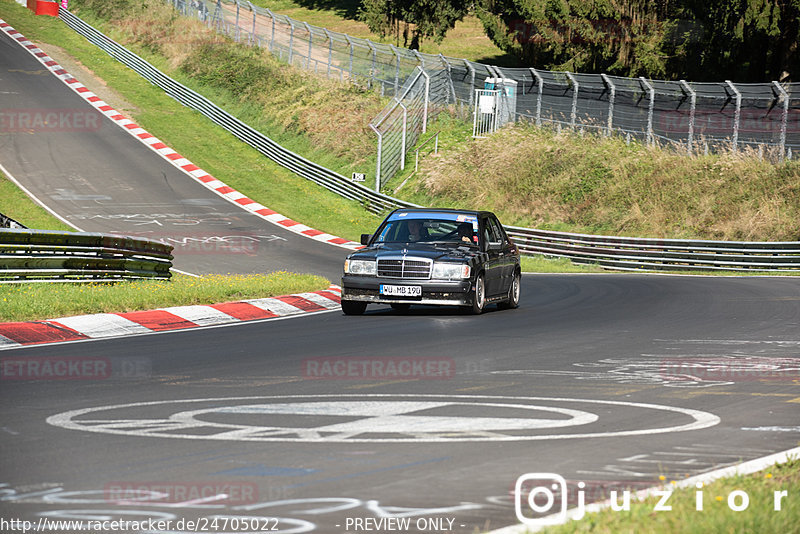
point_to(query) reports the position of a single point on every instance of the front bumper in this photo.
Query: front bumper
(436, 292)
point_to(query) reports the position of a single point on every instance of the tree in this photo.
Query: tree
(419, 19)
(744, 40)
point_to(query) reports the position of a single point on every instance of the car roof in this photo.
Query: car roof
(441, 210)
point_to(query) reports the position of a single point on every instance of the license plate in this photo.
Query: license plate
(401, 291)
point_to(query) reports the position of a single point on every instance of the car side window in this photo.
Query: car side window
(495, 234)
(498, 228)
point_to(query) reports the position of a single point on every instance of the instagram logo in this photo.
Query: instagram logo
(541, 499)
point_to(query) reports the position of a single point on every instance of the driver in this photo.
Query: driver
(416, 230)
(465, 232)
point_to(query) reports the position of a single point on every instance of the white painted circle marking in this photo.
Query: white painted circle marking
(370, 418)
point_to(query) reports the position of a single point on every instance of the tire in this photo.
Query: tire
(353, 307)
(513, 293)
(479, 302)
(400, 308)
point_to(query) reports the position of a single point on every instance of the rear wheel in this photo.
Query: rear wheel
(353, 307)
(513, 293)
(479, 301)
(400, 307)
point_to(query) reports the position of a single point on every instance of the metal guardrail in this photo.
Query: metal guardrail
(632, 253)
(331, 180)
(48, 256)
(612, 252)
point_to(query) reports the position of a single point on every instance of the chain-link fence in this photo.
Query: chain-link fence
(694, 117)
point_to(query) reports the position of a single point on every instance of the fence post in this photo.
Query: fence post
(372, 68)
(380, 151)
(272, 40)
(396, 69)
(419, 58)
(649, 88)
(785, 116)
(349, 42)
(692, 106)
(291, 39)
(403, 140)
(427, 97)
(330, 52)
(310, 44)
(236, 35)
(573, 114)
(611, 97)
(253, 11)
(471, 70)
(737, 114)
(540, 83)
(449, 79)
(218, 15)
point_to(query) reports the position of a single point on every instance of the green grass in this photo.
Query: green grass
(542, 264)
(716, 516)
(31, 302)
(16, 204)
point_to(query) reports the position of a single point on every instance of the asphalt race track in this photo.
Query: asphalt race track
(314, 423)
(101, 179)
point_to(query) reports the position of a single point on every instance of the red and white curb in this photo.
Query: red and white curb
(217, 186)
(104, 325)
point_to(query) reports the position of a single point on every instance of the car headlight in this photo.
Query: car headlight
(450, 271)
(362, 267)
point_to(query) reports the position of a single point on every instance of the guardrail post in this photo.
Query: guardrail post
(540, 83)
(737, 114)
(612, 93)
(218, 15)
(291, 39)
(573, 114)
(310, 44)
(380, 153)
(649, 88)
(692, 106)
(785, 115)
(427, 98)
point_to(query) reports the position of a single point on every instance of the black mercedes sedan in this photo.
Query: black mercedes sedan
(433, 256)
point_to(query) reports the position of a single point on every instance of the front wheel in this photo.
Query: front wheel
(513, 293)
(480, 297)
(353, 307)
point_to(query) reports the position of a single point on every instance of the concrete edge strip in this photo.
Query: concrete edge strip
(156, 145)
(745, 468)
(106, 325)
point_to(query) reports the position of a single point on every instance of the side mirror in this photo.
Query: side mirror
(365, 239)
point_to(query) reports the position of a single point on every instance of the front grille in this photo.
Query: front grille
(406, 268)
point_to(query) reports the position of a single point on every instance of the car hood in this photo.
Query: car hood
(420, 250)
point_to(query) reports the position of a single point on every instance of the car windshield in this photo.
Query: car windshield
(456, 230)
